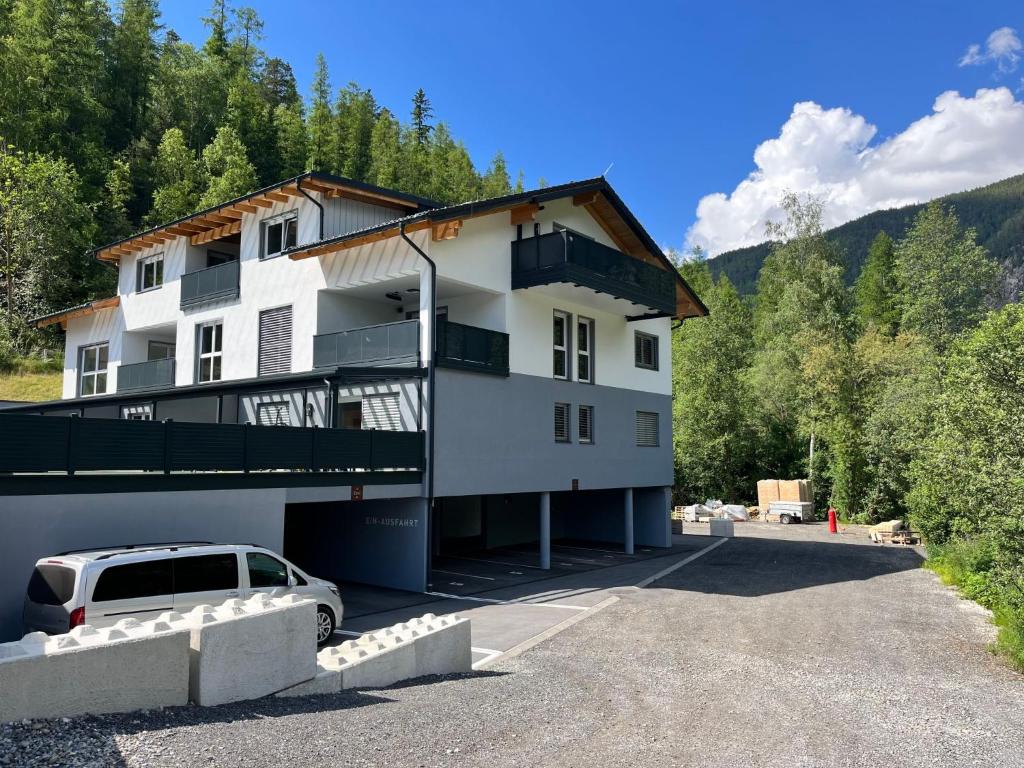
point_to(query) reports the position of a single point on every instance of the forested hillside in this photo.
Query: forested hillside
(110, 122)
(995, 212)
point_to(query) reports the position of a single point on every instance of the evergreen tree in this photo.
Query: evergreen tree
(292, 140)
(132, 69)
(253, 121)
(248, 29)
(321, 119)
(421, 114)
(876, 288)
(414, 172)
(384, 151)
(356, 114)
(216, 44)
(180, 179)
(496, 182)
(230, 173)
(113, 209)
(946, 280)
(520, 182)
(190, 93)
(277, 84)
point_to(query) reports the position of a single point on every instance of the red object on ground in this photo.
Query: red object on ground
(832, 528)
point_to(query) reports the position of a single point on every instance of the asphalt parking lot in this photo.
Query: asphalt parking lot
(509, 598)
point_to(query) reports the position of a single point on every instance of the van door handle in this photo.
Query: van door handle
(231, 594)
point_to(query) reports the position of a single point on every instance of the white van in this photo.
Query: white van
(101, 587)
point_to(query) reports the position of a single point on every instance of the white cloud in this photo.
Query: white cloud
(965, 142)
(1003, 48)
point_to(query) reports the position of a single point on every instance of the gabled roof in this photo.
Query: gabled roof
(62, 316)
(226, 219)
(595, 195)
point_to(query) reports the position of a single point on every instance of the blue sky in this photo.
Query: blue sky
(676, 95)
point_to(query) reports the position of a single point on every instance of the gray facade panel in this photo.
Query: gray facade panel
(496, 435)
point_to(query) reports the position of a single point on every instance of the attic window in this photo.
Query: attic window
(279, 234)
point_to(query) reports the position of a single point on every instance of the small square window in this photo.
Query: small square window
(150, 273)
(561, 422)
(645, 351)
(585, 424)
(280, 234)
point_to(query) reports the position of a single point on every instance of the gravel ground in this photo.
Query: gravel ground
(780, 648)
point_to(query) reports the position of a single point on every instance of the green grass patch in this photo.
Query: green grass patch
(967, 565)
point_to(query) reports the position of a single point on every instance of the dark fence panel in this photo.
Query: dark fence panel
(340, 449)
(396, 450)
(33, 443)
(205, 447)
(278, 448)
(116, 444)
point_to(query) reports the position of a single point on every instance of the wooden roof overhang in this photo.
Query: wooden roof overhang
(225, 220)
(82, 310)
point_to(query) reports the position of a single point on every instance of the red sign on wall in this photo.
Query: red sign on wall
(357, 493)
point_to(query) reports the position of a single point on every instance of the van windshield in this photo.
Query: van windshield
(51, 585)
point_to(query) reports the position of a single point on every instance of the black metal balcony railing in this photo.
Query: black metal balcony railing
(566, 257)
(148, 375)
(386, 344)
(69, 444)
(472, 348)
(210, 284)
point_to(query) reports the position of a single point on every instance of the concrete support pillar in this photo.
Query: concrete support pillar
(628, 519)
(545, 531)
(668, 516)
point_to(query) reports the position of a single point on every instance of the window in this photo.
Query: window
(561, 422)
(160, 350)
(266, 571)
(645, 351)
(647, 428)
(138, 416)
(352, 415)
(585, 350)
(51, 585)
(441, 314)
(93, 370)
(275, 350)
(560, 342)
(205, 573)
(585, 424)
(273, 415)
(214, 258)
(149, 272)
(134, 580)
(279, 234)
(210, 344)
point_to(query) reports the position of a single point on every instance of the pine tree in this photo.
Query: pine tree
(180, 179)
(875, 290)
(321, 119)
(132, 68)
(421, 114)
(217, 22)
(496, 182)
(253, 121)
(384, 151)
(520, 182)
(414, 173)
(277, 84)
(292, 140)
(355, 113)
(248, 28)
(231, 174)
(113, 210)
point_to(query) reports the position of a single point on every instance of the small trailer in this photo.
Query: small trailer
(788, 511)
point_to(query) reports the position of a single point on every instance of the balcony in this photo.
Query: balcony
(472, 349)
(69, 445)
(210, 284)
(153, 374)
(385, 344)
(567, 257)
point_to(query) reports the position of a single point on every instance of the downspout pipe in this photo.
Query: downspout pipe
(432, 342)
(314, 201)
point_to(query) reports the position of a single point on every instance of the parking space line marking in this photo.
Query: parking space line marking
(347, 632)
(676, 566)
(588, 549)
(496, 562)
(493, 601)
(468, 575)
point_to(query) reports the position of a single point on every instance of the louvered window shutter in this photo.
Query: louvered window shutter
(275, 341)
(273, 415)
(646, 428)
(561, 422)
(382, 412)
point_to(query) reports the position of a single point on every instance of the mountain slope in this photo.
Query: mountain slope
(996, 212)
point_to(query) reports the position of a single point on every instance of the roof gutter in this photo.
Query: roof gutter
(431, 373)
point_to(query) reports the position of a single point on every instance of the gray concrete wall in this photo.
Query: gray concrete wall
(382, 542)
(496, 435)
(37, 526)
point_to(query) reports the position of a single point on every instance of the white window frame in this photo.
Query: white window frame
(639, 337)
(587, 353)
(213, 354)
(564, 347)
(284, 219)
(93, 374)
(588, 438)
(567, 437)
(153, 264)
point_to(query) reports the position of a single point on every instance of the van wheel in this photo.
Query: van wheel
(324, 625)
(785, 519)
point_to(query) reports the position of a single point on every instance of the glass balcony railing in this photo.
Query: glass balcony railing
(386, 344)
(151, 374)
(210, 284)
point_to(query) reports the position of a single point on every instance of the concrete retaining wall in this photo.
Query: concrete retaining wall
(132, 665)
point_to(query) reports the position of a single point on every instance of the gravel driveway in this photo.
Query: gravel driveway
(784, 647)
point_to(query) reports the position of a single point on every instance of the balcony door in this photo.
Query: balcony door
(160, 350)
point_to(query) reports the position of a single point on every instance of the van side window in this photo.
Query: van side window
(266, 571)
(134, 580)
(205, 573)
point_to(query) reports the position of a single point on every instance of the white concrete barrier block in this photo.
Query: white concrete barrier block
(392, 662)
(722, 527)
(139, 665)
(249, 649)
(447, 650)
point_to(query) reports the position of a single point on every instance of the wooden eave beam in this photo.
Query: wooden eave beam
(584, 198)
(291, 190)
(278, 196)
(374, 198)
(95, 306)
(316, 186)
(184, 229)
(446, 230)
(261, 203)
(241, 208)
(215, 234)
(523, 214)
